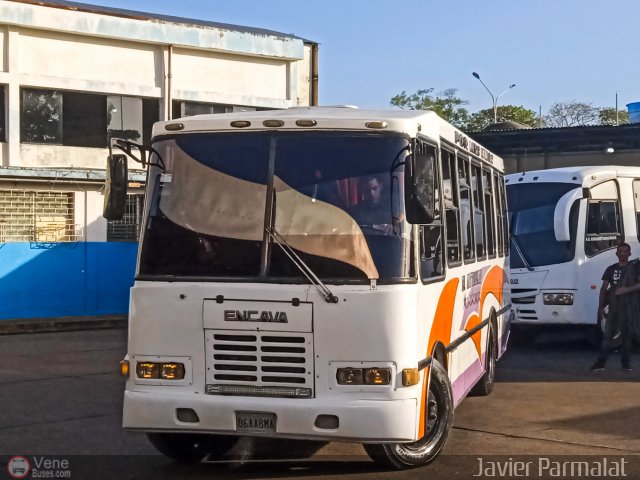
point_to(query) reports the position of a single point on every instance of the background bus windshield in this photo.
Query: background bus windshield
(531, 210)
(336, 199)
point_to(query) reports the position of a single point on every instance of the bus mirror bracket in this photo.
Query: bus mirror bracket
(561, 227)
(420, 187)
(117, 176)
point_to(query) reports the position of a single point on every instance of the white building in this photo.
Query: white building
(72, 74)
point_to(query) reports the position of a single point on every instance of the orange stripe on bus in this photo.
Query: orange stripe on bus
(440, 332)
(473, 321)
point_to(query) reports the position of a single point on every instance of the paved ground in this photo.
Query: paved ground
(60, 395)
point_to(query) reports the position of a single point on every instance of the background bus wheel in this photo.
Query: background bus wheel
(439, 418)
(485, 385)
(191, 447)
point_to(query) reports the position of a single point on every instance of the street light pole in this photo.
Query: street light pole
(494, 100)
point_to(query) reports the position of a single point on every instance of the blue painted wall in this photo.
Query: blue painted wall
(65, 279)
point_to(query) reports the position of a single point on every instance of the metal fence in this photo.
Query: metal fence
(127, 229)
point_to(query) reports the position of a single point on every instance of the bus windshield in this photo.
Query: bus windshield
(336, 199)
(531, 211)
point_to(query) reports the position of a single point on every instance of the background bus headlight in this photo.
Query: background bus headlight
(363, 376)
(558, 298)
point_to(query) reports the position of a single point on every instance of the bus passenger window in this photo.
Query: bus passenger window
(603, 226)
(431, 253)
(466, 230)
(451, 206)
(604, 222)
(636, 202)
(478, 210)
(487, 188)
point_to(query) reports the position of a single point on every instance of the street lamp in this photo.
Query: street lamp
(494, 99)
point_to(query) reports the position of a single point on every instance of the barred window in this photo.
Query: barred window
(37, 216)
(127, 229)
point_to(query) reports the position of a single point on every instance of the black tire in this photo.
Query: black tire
(485, 385)
(191, 447)
(439, 419)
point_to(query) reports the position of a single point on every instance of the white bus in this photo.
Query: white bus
(313, 273)
(565, 226)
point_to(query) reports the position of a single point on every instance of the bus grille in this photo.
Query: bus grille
(259, 359)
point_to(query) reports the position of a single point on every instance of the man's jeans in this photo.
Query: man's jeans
(617, 321)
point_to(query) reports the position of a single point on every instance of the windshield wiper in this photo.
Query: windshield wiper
(516, 243)
(303, 267)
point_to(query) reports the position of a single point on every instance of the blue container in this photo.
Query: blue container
(634, 112)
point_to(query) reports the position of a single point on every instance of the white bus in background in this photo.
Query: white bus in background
(565, 225)
(275, 298)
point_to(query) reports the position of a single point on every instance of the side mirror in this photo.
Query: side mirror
(420, 186)
(562, 212)
(115, 191)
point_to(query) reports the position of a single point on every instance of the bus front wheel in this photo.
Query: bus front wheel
(191, 447)
(438, 419)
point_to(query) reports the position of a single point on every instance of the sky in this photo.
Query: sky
(552, 50)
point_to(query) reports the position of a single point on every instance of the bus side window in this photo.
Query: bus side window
(604, 222)
(431, 245)
(490, 211)
(503, 216)
(499, 224)
(451, 206)
(466, 213)
(636, 202)
(479, 216)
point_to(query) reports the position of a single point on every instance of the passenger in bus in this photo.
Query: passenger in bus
(620, 284)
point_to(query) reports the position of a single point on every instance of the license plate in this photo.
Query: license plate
(255, 422)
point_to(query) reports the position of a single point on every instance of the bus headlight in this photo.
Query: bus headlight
(171, 371)
(164, 371)
(377, 376)
(349, 376)
(363, 376)
(558, 298)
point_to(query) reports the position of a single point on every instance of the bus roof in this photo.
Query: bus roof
(586, 176)
(410, 122)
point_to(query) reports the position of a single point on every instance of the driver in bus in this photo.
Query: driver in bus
(373, 211)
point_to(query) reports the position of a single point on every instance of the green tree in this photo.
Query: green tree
(446, 104)
(608, 116)
(482, 119)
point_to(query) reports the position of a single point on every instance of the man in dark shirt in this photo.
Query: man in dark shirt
(620, 281)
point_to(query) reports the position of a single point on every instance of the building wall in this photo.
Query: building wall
(62, 264)
(522, 163)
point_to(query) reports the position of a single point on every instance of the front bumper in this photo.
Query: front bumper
(359, 420)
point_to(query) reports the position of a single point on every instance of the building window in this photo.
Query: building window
(79, 119)
(124, 118)
(188, 109)
(41, 117)
(128, 228)
(32, 216)
(3, 136)
(84, 120)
